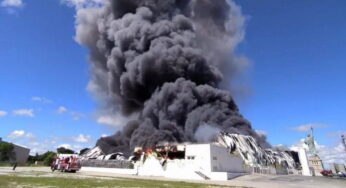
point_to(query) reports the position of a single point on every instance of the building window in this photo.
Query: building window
(190, 157)
(214, 158)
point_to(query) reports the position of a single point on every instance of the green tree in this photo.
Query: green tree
(33, 159)
(6, 151)
(47, 157)
(63, 150)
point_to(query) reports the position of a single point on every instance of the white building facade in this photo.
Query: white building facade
(201, 162)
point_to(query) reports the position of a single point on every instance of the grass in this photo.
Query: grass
(7, 164)
(9, 181)
(4, 164)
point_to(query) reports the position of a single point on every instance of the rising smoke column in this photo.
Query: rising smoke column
(163, 60)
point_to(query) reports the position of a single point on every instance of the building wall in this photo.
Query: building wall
(222, 161)
(333, 168)
(213, 158)
(336, 168)
(304, 162)
(341, 168)
(197, 165)
(199, 155)
(150, 167)
(22, 154)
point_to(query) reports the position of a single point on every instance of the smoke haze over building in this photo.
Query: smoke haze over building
(163, 62)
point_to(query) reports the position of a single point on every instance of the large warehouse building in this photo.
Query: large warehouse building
(233, 155)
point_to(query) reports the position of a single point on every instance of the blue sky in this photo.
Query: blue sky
(296, 49)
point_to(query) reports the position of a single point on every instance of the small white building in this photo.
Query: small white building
(21, 153)
(201, 161)
(195, 161)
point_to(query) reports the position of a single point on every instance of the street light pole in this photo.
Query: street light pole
(343, 140)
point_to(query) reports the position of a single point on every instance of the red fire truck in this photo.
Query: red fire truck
(66, 163)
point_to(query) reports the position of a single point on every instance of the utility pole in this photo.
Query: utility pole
(343, 140)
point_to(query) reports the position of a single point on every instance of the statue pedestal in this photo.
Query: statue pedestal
(316, 165)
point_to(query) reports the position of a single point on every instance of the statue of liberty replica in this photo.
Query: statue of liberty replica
(315, 162)
(310, 142)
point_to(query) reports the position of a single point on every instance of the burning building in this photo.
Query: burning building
(163, 63)
(167, 66)
(231, 155)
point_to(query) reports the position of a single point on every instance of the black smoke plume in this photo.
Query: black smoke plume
(164, 60)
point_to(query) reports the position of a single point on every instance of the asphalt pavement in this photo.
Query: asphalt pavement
(255, 180)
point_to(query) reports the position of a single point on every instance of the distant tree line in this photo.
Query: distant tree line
(45, 158)
(7, 154)
(48, 157)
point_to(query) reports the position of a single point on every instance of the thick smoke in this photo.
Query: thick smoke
(164, 61)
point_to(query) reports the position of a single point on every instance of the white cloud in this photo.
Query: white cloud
(16, 134)
(11, 3)
(306, 127)
(299, 144)
(40, 149)
(335, 154)
(76, 115)
(20, 134)
(29, 140)
(38, 145)
(67, 146)
(81, 138)
(336, 134)
(61, 110)
(24, 112)
(29, 136)
(78, 4)
(41, 146)
(117, 120)
(34, 143)
(328, 154)
(104, 135)
(3, 113)
(41, 99)
(75, 148)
